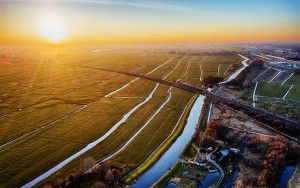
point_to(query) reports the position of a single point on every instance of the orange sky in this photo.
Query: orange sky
(88, 21)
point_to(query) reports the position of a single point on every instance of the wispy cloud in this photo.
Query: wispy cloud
(139, 4)
(155, 5)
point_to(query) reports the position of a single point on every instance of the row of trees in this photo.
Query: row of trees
(210, 133)
(90, 174)
(273, 162)
(263, 158)
(212, 80)
(240, 79)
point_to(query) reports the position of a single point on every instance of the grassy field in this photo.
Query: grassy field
(295, 91)
(52, 106)
(271, 90)
(278, 91)
(294, 80)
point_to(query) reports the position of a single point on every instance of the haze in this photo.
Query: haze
(91, 21)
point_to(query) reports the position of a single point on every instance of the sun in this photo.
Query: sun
(53, 29)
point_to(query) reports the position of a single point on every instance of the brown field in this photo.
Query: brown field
(52, 104)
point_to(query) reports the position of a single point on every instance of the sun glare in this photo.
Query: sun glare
(53, 29)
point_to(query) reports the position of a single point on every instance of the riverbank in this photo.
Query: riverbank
(295, 180)
(171, 156)
(163, 147)
(181, 175)
(178, 167)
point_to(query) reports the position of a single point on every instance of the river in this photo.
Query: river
(286, 176)
(169, 158)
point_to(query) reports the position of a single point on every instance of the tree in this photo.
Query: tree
(210, 133)
(297, 71)
(212, 80)
(99, 184)
(109, 176)
(86, 163)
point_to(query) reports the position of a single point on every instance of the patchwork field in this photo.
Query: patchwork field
(54, 102)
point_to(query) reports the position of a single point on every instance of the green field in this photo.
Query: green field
(271, 97)
(278, 91)
(271, 90)
(52, 105)
(295, 91)
(294, 80)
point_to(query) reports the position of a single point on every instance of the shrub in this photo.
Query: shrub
(212, 80)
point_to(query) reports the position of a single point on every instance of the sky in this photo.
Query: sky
(132, 21)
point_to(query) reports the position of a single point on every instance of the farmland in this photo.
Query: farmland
(288, 90)
(270, 90)
(54, 102)
(295, 91)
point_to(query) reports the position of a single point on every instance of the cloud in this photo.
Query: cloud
(155, 5)
(139, 4)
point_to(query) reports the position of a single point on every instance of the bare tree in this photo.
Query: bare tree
(86, 163)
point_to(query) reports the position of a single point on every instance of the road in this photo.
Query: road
(284, 124)
(208, 157)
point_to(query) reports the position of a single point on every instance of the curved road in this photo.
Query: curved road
(208, 157)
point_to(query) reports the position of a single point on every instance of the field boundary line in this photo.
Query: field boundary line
(161, 65)
(262, 73)
(219, 69)
(287, 92)
(119, 89)
(275, 76)
(179, 62)
(276, 57)
(186, 71)
(140, 130)
(200, 66)
(132, 81)
(226, 70)
(263, 57)
(287, 78)
(253, 95)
